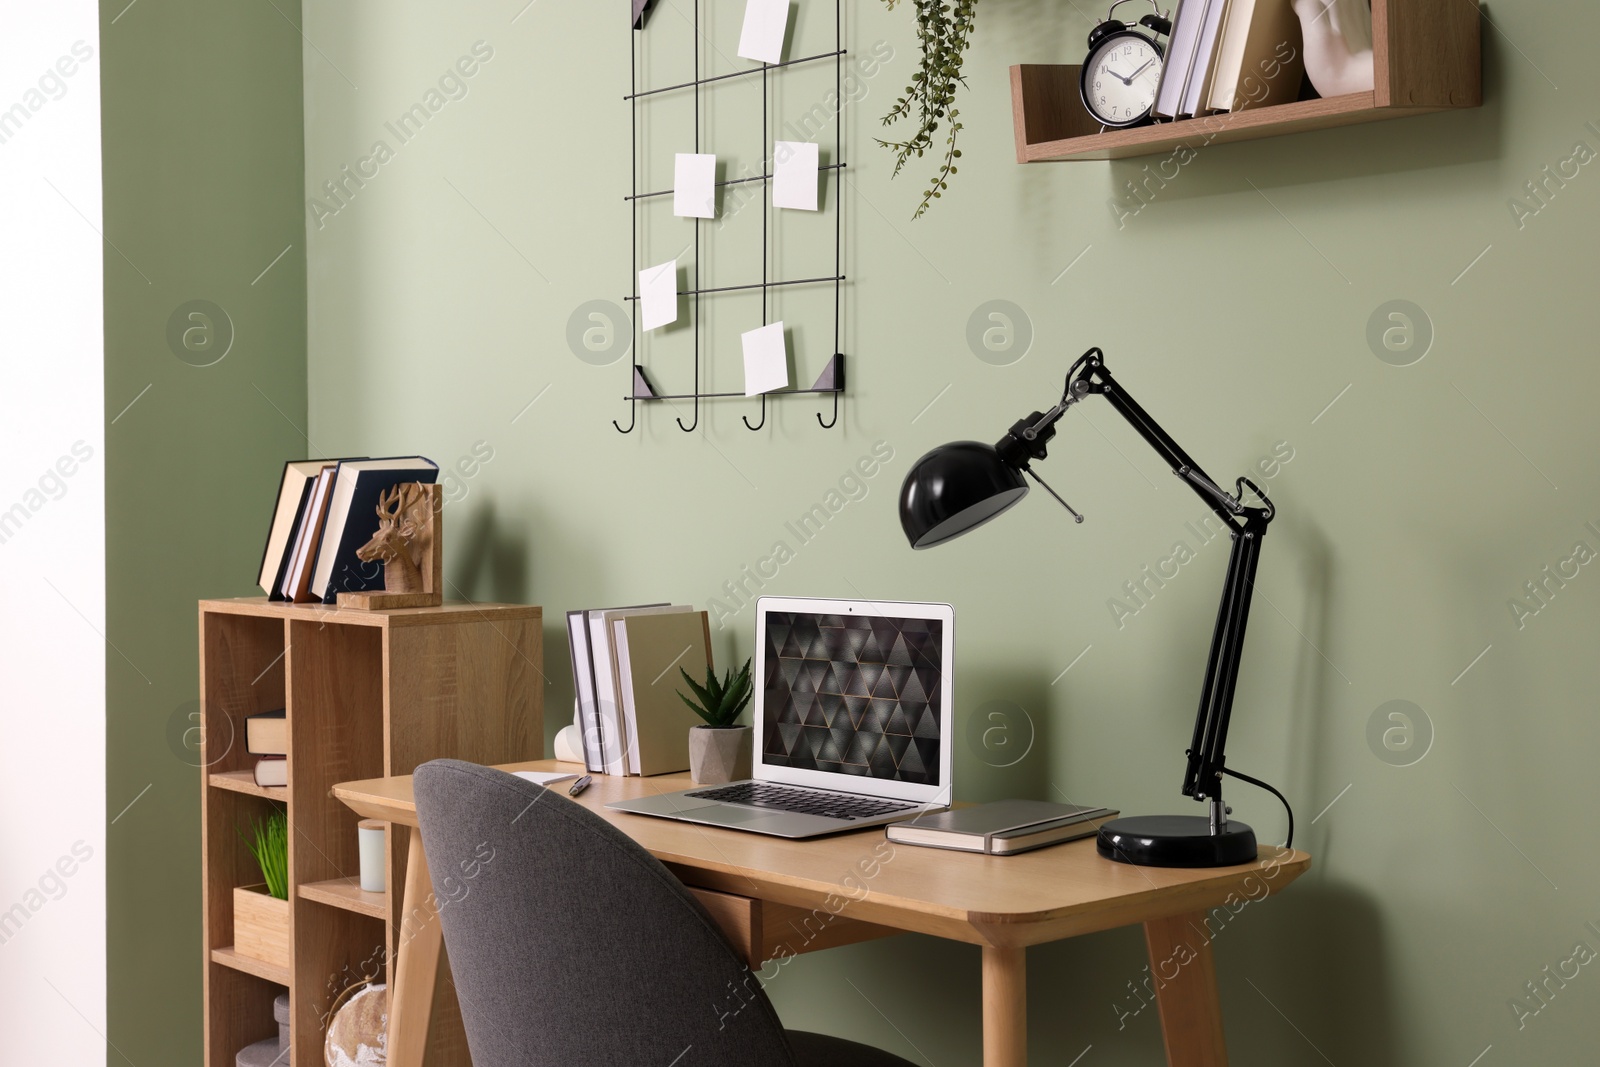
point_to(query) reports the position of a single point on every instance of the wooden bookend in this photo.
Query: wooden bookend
(410, 542)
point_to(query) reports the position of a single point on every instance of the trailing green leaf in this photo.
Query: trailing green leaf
(945, 29)
(720, 701)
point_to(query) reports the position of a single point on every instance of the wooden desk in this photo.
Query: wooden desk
(777, 897)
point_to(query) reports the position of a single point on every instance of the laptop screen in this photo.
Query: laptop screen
(853, 694)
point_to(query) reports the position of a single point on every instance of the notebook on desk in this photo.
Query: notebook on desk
(852, 716)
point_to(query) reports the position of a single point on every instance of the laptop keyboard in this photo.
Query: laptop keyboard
(802, 801)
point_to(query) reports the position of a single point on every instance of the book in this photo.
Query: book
(650, 650)
(607, 709)
(352, 519)
(1259, 56)
(1002, 828)
(583, 686)
(293, 489)
(272, 770)
(1197, 94)
(297, 574)
(267, 734)
(1179, 58)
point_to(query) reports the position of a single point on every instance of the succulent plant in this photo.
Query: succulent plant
(719, 701)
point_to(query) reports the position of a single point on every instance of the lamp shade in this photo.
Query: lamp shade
(956, 488)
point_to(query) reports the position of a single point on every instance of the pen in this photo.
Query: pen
(580, 785)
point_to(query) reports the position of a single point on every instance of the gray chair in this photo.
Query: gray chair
(570, 945)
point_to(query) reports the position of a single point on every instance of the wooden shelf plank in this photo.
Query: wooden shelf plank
(347, 893)
(327, 614)
(229, 958)
(245, 782)
(1427, 58)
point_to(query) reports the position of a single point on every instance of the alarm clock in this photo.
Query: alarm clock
(1123, 69)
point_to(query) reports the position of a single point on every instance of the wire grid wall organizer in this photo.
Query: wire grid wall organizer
(831, 380)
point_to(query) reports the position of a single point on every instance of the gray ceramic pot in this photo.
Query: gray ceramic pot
(719, 754)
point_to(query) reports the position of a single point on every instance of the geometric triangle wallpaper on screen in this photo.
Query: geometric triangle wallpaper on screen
(853, 695)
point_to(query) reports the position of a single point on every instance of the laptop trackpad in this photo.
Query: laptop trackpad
(730, 815)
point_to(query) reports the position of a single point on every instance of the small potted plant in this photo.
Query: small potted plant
(719, 751)
(261, 911)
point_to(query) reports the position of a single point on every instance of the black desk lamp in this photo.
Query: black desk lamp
(962, 485)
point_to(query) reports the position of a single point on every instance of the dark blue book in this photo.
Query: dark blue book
(352, 519)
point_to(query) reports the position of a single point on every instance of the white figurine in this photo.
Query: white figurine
(1338, 45)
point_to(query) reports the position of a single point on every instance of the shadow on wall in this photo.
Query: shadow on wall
(1003, 739)
(1314, 970)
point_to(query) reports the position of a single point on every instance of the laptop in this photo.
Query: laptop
(852, 714)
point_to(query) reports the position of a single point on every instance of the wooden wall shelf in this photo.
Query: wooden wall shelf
(368, 693)
(1427, 55)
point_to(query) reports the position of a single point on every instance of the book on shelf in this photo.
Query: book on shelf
(296, 585)
(1001, 828)
(1197, 93)
(1260, 58)
(583, 685)
(1179, 58)
(272, 770)
(294, 488)
(650, 650)
(267, 734)
(352, 518)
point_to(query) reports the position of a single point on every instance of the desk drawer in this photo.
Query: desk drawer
(761, 930)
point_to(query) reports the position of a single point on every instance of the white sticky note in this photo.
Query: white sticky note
(766, 360)
(794, 178)
(694, 186)
(658, 295)
(765, 23)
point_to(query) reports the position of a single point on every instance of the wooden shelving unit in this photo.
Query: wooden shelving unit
(1426, 53)
(368, 693)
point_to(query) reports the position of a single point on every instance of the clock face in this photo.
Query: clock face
(1121, 80)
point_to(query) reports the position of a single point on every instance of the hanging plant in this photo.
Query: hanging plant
(945, 29)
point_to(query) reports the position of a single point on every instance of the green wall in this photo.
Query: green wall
(1235, 307)
(203, 157)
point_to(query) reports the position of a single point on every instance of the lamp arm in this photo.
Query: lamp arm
(1090, 377)
(1247, 526)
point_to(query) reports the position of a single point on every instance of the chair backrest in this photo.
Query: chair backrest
(569, 944)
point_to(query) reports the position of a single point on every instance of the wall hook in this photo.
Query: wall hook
(835, 421)
(691, 427)
(633, 406)
(763, 422)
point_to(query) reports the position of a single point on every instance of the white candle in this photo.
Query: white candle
(370, 835)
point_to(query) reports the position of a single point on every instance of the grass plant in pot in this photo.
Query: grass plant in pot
(261, 911)
(719, 750)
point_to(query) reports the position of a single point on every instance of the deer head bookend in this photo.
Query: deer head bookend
(402, 514)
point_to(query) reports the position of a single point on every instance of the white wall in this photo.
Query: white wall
(53, 818)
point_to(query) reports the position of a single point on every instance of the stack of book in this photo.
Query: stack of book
(625, 664)
(1230, 55)
(266, 736)
(326, 510)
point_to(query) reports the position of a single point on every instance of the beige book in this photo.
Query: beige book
(1261, 60)
(650, 651)
(607, 682)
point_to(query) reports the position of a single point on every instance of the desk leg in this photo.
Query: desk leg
(1005, 1007)
(1191, 1018)
(420, 938)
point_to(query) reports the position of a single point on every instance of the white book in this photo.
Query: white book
(1197, 95)
(1179, 58)
(608, 706)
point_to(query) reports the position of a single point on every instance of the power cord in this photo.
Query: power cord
(1258, 783)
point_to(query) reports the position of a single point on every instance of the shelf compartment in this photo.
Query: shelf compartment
(1427, 58)
(245, 782)
(347, 893)
(249, 965)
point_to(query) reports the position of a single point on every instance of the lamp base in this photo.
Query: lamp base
(1176, 841)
